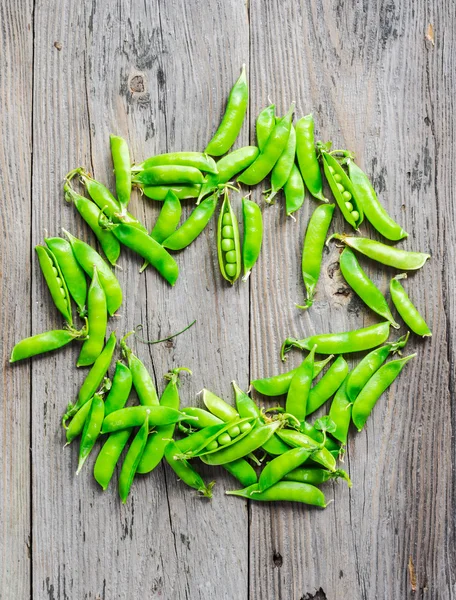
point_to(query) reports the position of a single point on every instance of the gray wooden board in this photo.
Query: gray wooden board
(158, 74)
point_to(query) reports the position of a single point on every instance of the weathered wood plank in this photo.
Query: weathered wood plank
(371, 82)
(16, 76)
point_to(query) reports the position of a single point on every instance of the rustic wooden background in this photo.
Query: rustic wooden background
(158, 73)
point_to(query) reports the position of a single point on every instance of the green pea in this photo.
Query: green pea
(231, 257)
(227, 219)
(224, 439)
(227, 245)
(212, 445)
(62, 292)
(349, 206)
(337, 178)
(355, 215)
(230, 269)
(331, 170)
(235, 430)
(228, 232)
(347, 196)
(340, 187)
(245, 427)
(55, 271)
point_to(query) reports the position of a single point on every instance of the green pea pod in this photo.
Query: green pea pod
(316, 476)
(193, 226)
(328, 385)
(284, 491)
(218, 407)
(279, 385)
(159, 192)
(233, 118)
(132, 460)
(307, 157)
(157, 441)
(55, 282)
(282, 169)
(373, 210)
(90, 212)
(264, 125)
(168, 175)
(317, 435)
(120, 388)
(228, 242)
(241, 470)
(133, 416)
(298, 392)
(204, 417)
(109, 455)
(406, 308)
(271, 152)
(77, 423)
(88, 258)
(97, 319)
(168, 218)
(142, 381)
(185, 472)
(382, 253)
(374, 388)
(340, 412)
(198, 160)
(223, 439)
(276, 469)
(357, 340)
(364, 370)
(312, 253)
(294, 191)
(320, 455)
(92, 428)
(73, 274)
(342, 190)
(253, 235)
(364, 287)
(235, 162)
(122, 169)
(144, 245)
(45, 342)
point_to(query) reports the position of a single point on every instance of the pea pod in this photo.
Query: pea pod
(193, 226)
(374, 388)
(225, 438)
(340, 412)
(92, 428)
(235, 162)
(228, 242)
(77, 423)
(198, 160)
(321, 455)
(45, 342)
(87, 258)
(298, 392)
(97, 320)
(218, 407)
(204, 417)
(55, 282)
(315, 476)
(185, 472)
(133, 416)
(341, 343)
(73, 274)
(233, 118)
(328, 385)
(159, 192)
(120, 388)
(406, 309)
(264, 125)
(132, 460)
(271, 152)
(109, 455)
(168, 218)
(278, 467)
(312, 253)
(168, 175)
(307, 157)
(282, 169)
(364, 287)
(241, 470)
(142, 381)
(122, 169)
(253, 235)
(294, 191)
(288, 491)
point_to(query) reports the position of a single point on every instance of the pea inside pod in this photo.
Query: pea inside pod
(228, 242)
(406, 308)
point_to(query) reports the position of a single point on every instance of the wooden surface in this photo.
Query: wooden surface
(159, 73)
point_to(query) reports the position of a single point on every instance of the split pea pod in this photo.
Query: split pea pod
(298, 392)
(264, 125)
(142, 380)
(356, 340)
(294, 191)
(133, 416)
(312, 253)
(233, 118)
(193, 226)
(340, 412)
(122, 169)
(97, 318)
(87, 257)
(218, 437)
(132, 460)
(406, 308)
(73, 274)
(307, 157)
(284, 491)
(271, 152)
(253, 235)
(360, 283)
(374, 388)
(168, 175)
(282, 169)
(328, 385)
(198, 160)
(92, 428)
(205, 439)
(55, 282)
(45, 342)
(185, 472)
(228, 242)
(382, 253)
(159, 192)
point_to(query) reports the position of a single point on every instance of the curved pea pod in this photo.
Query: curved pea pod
(294, 191)
(198, 160)
(122, 169)
(280, 384)
(374, 388)
(382, 253)
(92, 428)
(233, 118)
(45, 342)
(144, 245)
(90, 212)
(277, 468)
(282, 169)
(185, 472)
(241, 470)
(168, 175)
(73, 274)
(284, 491)
(373, 210)
(253, 235)
(342, 190)
(109, 455)
(328, 385)
(264, 125)
(320, 455)
(132, 460)
(406, 308)
(193, 226)
(364, 287)
(218, 407)
(142, 381)
(340, 412)
(134, 416)
(97, 319)
(87, 257)
(307, 157)
(168, 218)
(364, 370)
(316, 476)
(159, 192)
(55, 282)
(271, 152)
(235, 162)
(312, 253)
(77, 423)
(120, 388)
(228, 242)
(298, 392)
(204, 417)
(356, 340)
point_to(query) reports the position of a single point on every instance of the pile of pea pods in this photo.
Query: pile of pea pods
(275, 454)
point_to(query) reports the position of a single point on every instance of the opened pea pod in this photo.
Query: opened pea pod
(55, 282)
(228, 242)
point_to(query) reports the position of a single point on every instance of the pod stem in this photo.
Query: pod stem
(335, 236)
(272, 194)
(287, 345)
(307, 305)
(206, 491)
(170, 337)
